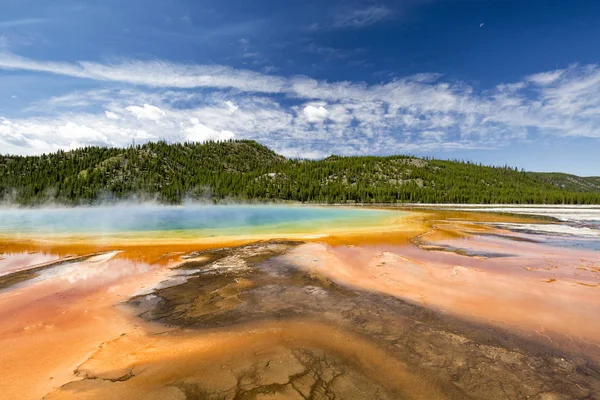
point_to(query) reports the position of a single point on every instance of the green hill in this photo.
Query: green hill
(570, 182)
(246, 170)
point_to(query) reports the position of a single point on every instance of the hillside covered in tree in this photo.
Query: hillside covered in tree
(246, 170)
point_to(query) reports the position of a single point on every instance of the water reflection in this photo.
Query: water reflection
(13, 262)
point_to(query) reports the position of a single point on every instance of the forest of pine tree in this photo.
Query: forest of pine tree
(246, 170)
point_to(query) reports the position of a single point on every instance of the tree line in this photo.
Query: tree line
(246, 170)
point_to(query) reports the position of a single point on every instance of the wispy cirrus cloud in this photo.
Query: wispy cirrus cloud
(300, 116)
(353, 18)
(21, 22)
(361, 17)
(545, 78)
(333, 53)
(151, 73)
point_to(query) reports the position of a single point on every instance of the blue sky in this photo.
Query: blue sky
(493, 81)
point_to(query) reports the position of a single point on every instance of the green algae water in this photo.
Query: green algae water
(184, 221)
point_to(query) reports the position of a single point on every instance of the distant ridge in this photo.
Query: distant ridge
(247, 171)
(570, 182)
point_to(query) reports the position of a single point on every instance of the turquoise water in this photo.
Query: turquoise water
(203, 220)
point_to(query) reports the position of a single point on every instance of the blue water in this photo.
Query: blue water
(210, 219)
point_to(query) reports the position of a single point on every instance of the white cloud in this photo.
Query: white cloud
(315, 113)
(546, 78)
(435, 136)
(231, 106)
(200, 133)
(300, 115)
(147, 111)
(111, 115)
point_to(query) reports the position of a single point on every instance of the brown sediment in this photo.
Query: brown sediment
(441, 214)
(288, 328)
(496, 291)
(588, 285)
(299, 359)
